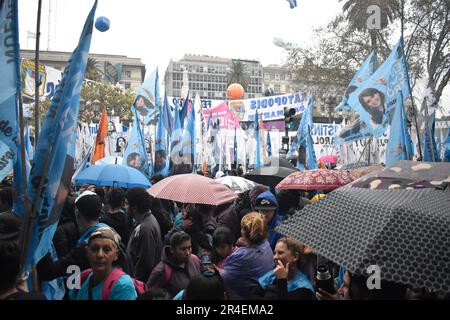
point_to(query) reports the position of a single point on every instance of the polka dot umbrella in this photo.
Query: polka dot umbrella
(407, 175)
(403, 232)
(192, 188)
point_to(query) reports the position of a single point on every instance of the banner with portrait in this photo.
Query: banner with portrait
(375, 99)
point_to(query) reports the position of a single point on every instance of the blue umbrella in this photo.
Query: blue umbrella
(113, 175)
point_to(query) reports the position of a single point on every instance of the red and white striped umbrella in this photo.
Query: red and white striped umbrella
(318, 179)
(192, 188)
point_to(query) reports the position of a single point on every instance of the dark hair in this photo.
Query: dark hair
(163, 153)
(178, 238)
(222, 236)
(6, 197)
(101, 192)
(139, 198)
(157, 177)
(115, 198)
(154, 294)
(350, 90)
(10, 266)
(295, 247)
(90, 206)
(113, 124)
(205, 288)
(376, 115)
(119, 148)
(132, 156)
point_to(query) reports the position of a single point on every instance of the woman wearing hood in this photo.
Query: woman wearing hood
(267, 205)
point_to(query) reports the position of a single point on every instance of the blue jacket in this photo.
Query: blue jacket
(275, 221)
(300, 281)
(244, 267)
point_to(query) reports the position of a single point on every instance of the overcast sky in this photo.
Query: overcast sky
(160, 30)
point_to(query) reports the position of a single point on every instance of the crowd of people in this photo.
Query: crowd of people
(129, 245)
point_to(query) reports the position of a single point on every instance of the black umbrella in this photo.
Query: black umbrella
(269, 176)
(404, 232)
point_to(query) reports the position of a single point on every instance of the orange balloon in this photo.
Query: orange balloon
(235, 91)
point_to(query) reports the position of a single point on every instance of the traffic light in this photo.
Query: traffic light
(289, 118)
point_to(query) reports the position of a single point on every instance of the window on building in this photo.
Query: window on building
(126, 74)
(127, 86)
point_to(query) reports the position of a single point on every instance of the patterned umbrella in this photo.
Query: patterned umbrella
(318, 179)
(237, 184)
(407, 175)
(404, 232)
(192, 188)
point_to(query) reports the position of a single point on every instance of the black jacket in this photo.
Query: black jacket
(145, 246)
(180, 276)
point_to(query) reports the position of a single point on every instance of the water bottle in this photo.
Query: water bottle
(324, 280)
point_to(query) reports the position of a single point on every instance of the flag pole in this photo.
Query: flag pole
(36, 72)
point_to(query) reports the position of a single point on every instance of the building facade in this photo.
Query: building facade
(208, 76)
(128, 72)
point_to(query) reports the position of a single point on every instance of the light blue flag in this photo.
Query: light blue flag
(175, 142)
(258, 150)
(365, 71)
(305, 122)
(268, 145)
(161, 159)
(310, 153)
(28, 146)
(429, 141)
(85, 163)
(136, 154)
(189, 139)
(9, 90)
(145, 101)
(184, 110)
(447, 148)
(55, 150)
(375, 99)
(167, 117)
(399, 146)
(292, 3)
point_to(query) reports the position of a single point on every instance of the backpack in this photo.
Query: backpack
(111, 280)
(168, 269)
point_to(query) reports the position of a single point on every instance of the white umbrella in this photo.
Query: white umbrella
(237, 184)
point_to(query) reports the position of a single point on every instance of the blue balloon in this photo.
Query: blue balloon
(102, 24)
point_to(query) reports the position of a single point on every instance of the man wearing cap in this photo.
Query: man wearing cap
(88, 208)
(267, 204)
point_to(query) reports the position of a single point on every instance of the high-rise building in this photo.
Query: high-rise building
(279, 80)
(128, 72)
(208, 76)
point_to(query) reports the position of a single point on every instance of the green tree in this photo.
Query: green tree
(237, 74)
(110, 97)
(356, 12)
